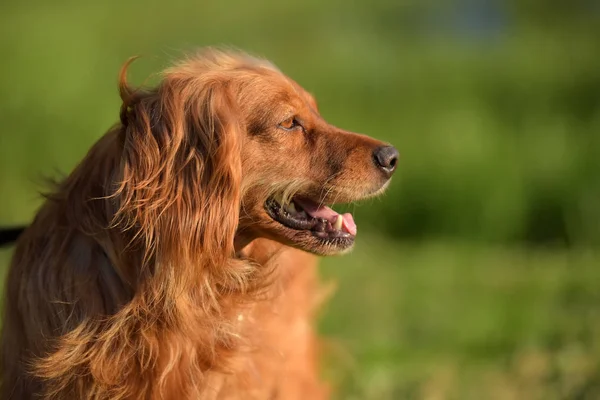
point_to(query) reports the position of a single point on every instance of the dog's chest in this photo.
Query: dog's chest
(283, 363)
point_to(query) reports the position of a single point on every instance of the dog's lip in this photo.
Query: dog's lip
(319, 221)
(344, 222)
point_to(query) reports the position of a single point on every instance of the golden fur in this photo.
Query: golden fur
(153, 271)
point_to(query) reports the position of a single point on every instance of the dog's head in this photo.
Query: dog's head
(295, 165)
(244, 153)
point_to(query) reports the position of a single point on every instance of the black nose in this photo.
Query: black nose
(386, 158)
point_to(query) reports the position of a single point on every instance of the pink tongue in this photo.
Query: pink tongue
(318, 211)
(348, 224)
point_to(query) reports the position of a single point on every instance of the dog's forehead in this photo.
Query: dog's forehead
(310, 99)
(297, 96)
(301, 93)
(273, 89)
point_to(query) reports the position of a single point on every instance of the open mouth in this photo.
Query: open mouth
(320, 221)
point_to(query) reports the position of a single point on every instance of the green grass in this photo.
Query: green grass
(462, 322)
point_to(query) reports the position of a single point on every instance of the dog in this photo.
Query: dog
(177, 261)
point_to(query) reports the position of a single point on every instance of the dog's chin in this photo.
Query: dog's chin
(310, 226)
(307, 242)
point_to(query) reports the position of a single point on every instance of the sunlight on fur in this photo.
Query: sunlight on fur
(177, 261)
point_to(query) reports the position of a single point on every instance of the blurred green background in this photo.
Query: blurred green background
(476, 276)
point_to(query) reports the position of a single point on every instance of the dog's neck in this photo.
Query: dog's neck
(241, 241)
(258, 250)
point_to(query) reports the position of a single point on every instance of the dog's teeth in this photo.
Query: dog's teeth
(291, 207)
(338, 223)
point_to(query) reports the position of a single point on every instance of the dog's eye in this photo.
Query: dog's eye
(290, 124)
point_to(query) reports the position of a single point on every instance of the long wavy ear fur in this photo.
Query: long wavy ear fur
(180, 188)
(176, 200)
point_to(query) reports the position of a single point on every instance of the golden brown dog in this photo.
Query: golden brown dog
(173, 262)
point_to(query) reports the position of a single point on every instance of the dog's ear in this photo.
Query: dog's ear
(179, 191)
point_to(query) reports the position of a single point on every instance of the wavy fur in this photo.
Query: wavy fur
(129, 284)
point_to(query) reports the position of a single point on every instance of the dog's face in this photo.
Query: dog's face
(295, 164)
(227, 149)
